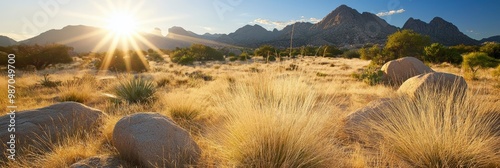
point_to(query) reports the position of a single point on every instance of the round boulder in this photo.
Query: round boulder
(398, 71)
(439, 83)
(153, 140)
(39, 128)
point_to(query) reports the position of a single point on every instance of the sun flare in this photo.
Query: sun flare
(122, 23)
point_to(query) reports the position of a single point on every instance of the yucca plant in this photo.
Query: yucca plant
(135, 90)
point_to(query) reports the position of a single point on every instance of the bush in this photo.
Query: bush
(370, 53)
(37, 55)
(405, 43)
(244, 56)
(196, 52)
(492, 49)
(371, 75)
(47, 81)
(329, 51)
(475, 61)
(437, 53)
(135, 90)
(233, 58)
(123, 61)
(351, 54)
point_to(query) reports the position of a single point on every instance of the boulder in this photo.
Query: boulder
(42, 127)
(153, 140)
(398, 71)
(104, 161)
(436, 82)
(357, 124)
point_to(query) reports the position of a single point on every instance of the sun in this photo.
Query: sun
(122, 23)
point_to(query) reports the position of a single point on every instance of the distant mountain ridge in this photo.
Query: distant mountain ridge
(440, 31)
(344, 27)
(7, 41)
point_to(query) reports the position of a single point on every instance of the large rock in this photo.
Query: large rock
(42, 127)
(436, 83)
(398, 71)
(358, 123)
(154, 141)
(105, 161)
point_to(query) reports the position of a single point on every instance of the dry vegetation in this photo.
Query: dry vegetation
(282, 114)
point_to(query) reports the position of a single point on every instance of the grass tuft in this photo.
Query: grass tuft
(135, 90)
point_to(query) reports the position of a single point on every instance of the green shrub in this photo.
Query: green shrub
(47, 81)
(196, 52)
(351, 54)
(233, 58)
(123, 61)
(371, 75)
(135, 90)
(475, 61)
(437, 53)
(37, 55)
(244, 56)
(492, 49)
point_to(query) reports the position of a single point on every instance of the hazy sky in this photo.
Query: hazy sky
(26, 18)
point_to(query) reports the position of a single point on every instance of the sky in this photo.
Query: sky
(27, 18)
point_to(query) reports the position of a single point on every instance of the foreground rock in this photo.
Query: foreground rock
(42, 127)
(105, 161)
(154, 141)
(435, 83)
(358, 124)
(398, 71)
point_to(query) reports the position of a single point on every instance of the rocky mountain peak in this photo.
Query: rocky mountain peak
(440, 31)
(341, 15)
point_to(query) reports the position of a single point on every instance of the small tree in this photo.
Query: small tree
(266, 51)
(405, 43)
(370, 53)
(492, 49)
(437, 53)
(475, 61)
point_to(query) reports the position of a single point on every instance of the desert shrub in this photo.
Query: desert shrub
(244, 56)
(123, 61)
(196, 52)
(233, 58)
(265, 51)
(154, 56)
(492, 49)
(48, 82)
(135, 90)
(351, 54)
(474, 61)
(439, 130)
(271, 122)
(404, 43)
(370, 53)
(39, 56)
(437, 53)
(329, 51)
(464, 49)
(371, 75)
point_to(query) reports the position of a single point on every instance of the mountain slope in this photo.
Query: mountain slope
(440, 31)
(491, 39)
(7, 41)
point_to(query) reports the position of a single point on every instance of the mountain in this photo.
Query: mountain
(491, 39)
(249, 36)
(87, 38)
(440, 31)
(344, 26)
(7, 41)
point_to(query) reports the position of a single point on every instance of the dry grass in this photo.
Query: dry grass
(435, 130)
(263, 115)
(271, 122)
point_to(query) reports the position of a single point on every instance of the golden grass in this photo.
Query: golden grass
(435, 130)
(272, 122)
(278, 117)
